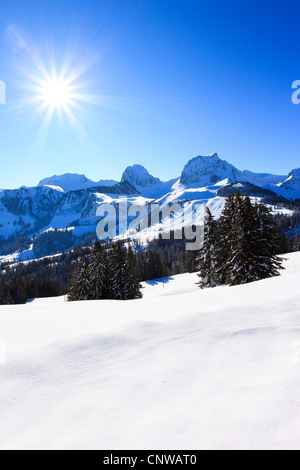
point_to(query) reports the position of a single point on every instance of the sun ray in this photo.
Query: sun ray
(42, 133)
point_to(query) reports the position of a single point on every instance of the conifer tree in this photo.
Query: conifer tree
(247, 243)
(18, 291)
(97, 273)
(241, 263)
(32, 290)
(132, 283)
(123, 273)
(225, 240)
(80, 284)
(189, 262)
(268, 263)
(73, 293)
(5, 296)
(154, 266)
(118, 271)
(207, 259)
(296, 242)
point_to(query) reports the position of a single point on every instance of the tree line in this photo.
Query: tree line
(242, 247)
(106, 274)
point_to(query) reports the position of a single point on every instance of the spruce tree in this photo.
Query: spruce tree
(247, 243)
(5, 296)
(154, 266)
(241, 264)
(80, 288)
(296, 242)
(118, 272)
(97, 272)
(123, 273)
(268, 263)
(18, 291)
(225, 241)
(207, 259)
(189, 261)
(73, 293)
(132, 289)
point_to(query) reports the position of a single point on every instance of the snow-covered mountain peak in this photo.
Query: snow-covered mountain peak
(72, 182)
(292, 181)
(67, 182)
(207, 170)
(214, 156)
(138, 176)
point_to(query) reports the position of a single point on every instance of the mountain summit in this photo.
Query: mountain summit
(138, 176)
(293, 180)
(73, 182)
(208, 170)
(290, 188)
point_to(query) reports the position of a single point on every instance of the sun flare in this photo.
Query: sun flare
(56, 93)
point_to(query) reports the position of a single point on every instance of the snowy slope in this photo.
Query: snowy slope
(29, 210)
(180, 369)
(185, 206)
(21, 210)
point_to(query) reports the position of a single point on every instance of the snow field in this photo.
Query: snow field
(180, 369)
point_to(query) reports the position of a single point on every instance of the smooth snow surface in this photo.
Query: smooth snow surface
(183, 368)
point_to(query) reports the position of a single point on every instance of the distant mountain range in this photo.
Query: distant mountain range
(202, 171)
(70, 201)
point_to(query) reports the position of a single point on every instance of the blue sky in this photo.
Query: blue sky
(166, 80)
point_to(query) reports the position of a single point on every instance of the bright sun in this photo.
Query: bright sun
(56, 93)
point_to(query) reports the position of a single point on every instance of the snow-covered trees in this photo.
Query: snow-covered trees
(109, 274)
(241, 248)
